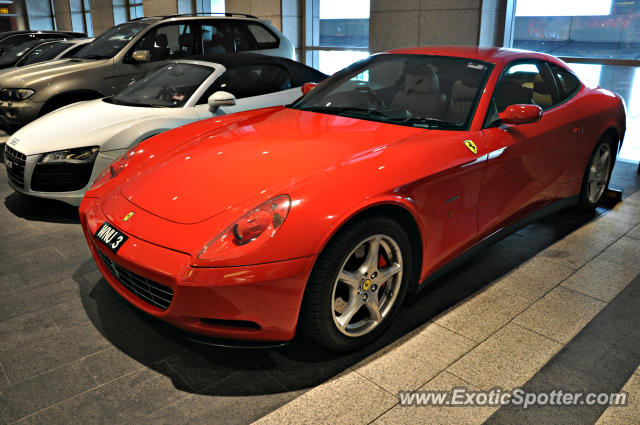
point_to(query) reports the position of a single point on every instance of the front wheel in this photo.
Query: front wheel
(598, 173)
(357, 285)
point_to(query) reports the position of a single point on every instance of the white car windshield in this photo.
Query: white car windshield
(170, 86)
(414, 90)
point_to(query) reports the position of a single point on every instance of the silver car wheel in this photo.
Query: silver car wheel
(599, 173)
(367, 285)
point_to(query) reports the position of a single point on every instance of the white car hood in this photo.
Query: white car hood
(90, 123)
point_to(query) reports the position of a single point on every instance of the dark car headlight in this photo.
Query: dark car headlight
(16, 94)
(86, 155)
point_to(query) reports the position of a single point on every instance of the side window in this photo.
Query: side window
(568, 84)
(13, 41)
(265, 39)
(219, 37)
(247, 81)
(173, 41)
(524, 82)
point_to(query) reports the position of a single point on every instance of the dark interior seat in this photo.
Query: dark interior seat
(161, 48)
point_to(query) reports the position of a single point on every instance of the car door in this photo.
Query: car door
(165, 42)
(526, 162)
(254, 86)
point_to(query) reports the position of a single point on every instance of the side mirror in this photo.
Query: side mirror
(220, 98)
(520, 114)
(141, 56)
(307, 87)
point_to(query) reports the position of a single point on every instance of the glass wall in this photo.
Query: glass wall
(337, 33)
(40, 14)
(603, 29)
(81, 16)
(201, 6)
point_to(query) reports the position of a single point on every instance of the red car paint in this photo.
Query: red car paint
(188, 185)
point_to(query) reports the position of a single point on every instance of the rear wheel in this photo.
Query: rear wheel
(357, 285)
(598, 173)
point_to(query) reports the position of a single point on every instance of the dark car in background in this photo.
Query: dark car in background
(11, 39)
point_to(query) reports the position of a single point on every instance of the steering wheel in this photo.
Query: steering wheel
(166, 93)
(371, 96)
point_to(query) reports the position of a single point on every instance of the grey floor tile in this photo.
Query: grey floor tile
(634, 233)
(347, 399)
(435, 415)
(238, 399)
(414, 361)
(27, 327)
(129, 400)
(484, 313)
(561, 314)
(574, 250)
(625, 251)
(535, 278)
(43, 391)
(110, 364)
(601, 279)
(506, 359)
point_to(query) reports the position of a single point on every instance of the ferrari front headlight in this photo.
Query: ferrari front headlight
(258, 225)
(16, 94)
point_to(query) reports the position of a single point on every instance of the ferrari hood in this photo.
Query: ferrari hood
(249, 158)
(89, 123)
(30, 76)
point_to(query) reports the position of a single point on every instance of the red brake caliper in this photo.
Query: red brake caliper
(382, 263)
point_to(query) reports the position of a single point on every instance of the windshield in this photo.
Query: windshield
(413, 90)
(44, 52)
(170, 86)
(111, 42)
(18, 51)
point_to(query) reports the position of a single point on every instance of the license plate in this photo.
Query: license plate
(111, 237)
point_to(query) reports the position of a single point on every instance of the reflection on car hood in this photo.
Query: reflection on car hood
(270, 151)
(29, 76)
(89, 123)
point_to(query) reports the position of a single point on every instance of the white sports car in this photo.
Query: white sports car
(59, 155)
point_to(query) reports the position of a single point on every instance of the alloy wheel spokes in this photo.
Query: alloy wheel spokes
(367, 284)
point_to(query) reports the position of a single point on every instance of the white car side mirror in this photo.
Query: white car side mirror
(220, 98)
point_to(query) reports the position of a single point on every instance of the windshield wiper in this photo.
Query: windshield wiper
(425, 122)
(338, 110)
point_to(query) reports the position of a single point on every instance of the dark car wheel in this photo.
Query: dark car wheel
(598, 173)
(358, 284)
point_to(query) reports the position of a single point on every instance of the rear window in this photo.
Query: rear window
(265, 39)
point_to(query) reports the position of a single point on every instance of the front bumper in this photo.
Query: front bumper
(16, 114)
(258, 302)
(72, 197)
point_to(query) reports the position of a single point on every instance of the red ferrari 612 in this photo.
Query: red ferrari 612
(323, 215)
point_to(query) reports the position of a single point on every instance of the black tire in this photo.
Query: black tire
(587, 202)
(58, 103)
(317, 315)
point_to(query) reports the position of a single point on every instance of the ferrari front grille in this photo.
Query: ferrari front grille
(15, 162)
(147, 290)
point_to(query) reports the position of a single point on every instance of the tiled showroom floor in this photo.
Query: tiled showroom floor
(549, 305)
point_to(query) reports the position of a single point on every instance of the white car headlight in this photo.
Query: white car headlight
(84, 155)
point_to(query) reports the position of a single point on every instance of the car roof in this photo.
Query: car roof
(227, 15)
(16, 32)
(495, 55)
